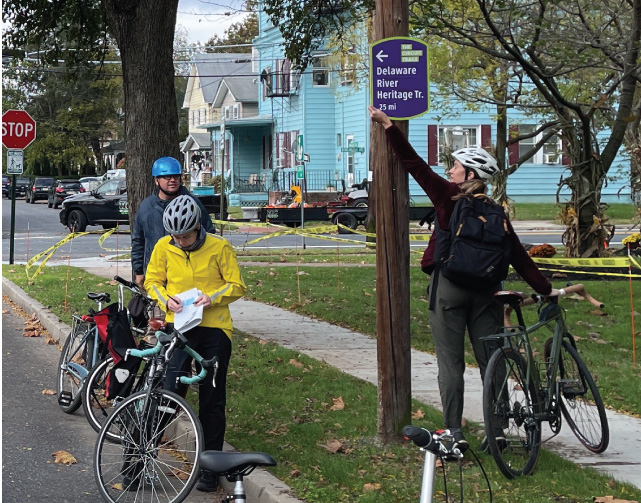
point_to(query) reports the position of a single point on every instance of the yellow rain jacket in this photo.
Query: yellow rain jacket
(212, 269)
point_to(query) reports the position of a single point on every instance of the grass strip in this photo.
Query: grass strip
(320, 423)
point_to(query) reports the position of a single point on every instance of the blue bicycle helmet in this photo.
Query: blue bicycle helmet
(166, 166)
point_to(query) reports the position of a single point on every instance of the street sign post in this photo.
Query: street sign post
(399, 77)
(18, 131)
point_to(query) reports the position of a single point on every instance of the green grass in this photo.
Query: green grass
(297, 424)
(617, 213)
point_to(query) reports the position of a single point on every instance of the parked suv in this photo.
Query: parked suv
(106, 206)
(22, 184)
(61, 189)
(38, 189)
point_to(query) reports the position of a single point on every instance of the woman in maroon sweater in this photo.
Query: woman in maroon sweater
(453, 308)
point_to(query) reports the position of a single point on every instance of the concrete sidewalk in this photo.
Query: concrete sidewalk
(355, 354)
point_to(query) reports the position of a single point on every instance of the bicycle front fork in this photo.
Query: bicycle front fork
(429, 471)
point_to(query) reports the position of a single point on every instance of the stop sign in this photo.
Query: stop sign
(18, 129)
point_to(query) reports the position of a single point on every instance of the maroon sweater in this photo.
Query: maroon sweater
(440, 191)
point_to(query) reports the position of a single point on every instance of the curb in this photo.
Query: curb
(260, 487)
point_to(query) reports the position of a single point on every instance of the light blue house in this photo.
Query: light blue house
(326, 108)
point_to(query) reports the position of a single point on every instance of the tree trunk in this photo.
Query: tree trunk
(144, 33)
(392, 257)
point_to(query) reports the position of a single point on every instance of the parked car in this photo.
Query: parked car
(106, 206)
(38, 189)
(90, 182)
(22, 184)
(6, 185)
(61, 189)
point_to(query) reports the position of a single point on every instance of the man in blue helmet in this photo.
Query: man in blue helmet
(148, 227)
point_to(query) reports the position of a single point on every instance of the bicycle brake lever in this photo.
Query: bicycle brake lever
(170, 349)
(215, 372)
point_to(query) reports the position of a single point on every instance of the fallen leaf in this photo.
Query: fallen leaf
(64, 457)
(333, 446)
(610, 499)
(418, 414)
(31, 333)
(48, 392)
(262, 342)
(598, 312)
(338, 404)
(5, 311)
(294, 473)
(372, 487)
(296, 363)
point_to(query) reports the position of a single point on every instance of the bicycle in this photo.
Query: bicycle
(156, 459)
(438, 444)
(80, 353)
(234, 466)
(520, 393)
(96, 405)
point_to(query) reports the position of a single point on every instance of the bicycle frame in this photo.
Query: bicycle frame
(556, 323)
(76, 369)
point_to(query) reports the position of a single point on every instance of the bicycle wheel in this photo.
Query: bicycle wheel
(72, 367)
(157, 458)
(509, 405)
(581, 402)
(96, 405)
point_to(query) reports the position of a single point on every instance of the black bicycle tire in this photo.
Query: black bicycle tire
(76, 399)
(586, 378)
(88, 397)
(121, 415)
(491, 403)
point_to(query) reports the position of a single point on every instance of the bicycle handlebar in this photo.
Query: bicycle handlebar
(129, 284)
(175, 342)
(438, 442)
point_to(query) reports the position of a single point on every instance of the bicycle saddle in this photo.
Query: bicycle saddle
(99, 297)
(509, 297)
(231, 463)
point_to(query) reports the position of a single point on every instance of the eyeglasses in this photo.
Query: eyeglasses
(170, 177)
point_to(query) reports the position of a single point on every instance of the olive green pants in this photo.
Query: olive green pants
(454, 310)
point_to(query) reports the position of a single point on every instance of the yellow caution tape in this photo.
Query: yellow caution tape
(576, 271)
(108, 233)
(609, 262)
(48, 253)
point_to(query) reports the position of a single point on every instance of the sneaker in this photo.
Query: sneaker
(208, 482)
(459, 439)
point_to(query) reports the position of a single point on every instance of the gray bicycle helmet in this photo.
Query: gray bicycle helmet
(181, 215)
(478, 160)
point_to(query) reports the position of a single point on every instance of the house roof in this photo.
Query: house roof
(209, 69)
(243, 89)
(201, 141)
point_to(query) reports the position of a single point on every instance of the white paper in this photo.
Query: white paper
(190, 316)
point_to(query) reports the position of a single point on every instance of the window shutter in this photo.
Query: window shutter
(288, 146)
(486, 136)
(432, 145)
(513, 149)
(277, 148)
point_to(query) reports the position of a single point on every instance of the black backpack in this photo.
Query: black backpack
(474, 252)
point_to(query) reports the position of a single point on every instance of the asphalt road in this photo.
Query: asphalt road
(34, 427)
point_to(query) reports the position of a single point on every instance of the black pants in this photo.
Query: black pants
(208, 342)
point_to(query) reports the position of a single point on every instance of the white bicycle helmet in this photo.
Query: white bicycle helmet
(478, 160)
(181, 215)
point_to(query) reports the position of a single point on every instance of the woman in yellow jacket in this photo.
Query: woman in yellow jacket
(190, 258)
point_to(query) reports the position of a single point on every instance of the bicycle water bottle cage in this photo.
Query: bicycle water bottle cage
(548, 311)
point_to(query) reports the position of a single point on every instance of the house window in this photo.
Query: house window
(451, 138)
(192, 113)
(236, 111)
(339, 140)
(203, 116)
(320, 71)
(549, 154)
(227, 113)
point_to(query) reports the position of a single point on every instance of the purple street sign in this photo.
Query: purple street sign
(399, 77)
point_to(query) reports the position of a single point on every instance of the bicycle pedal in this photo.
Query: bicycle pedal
(65, 398)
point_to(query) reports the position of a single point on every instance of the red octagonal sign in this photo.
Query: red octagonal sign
(18, 129)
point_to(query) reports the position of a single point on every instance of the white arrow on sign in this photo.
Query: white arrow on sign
(380, 56)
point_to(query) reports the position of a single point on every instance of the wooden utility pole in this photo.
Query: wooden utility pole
(392, 255)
